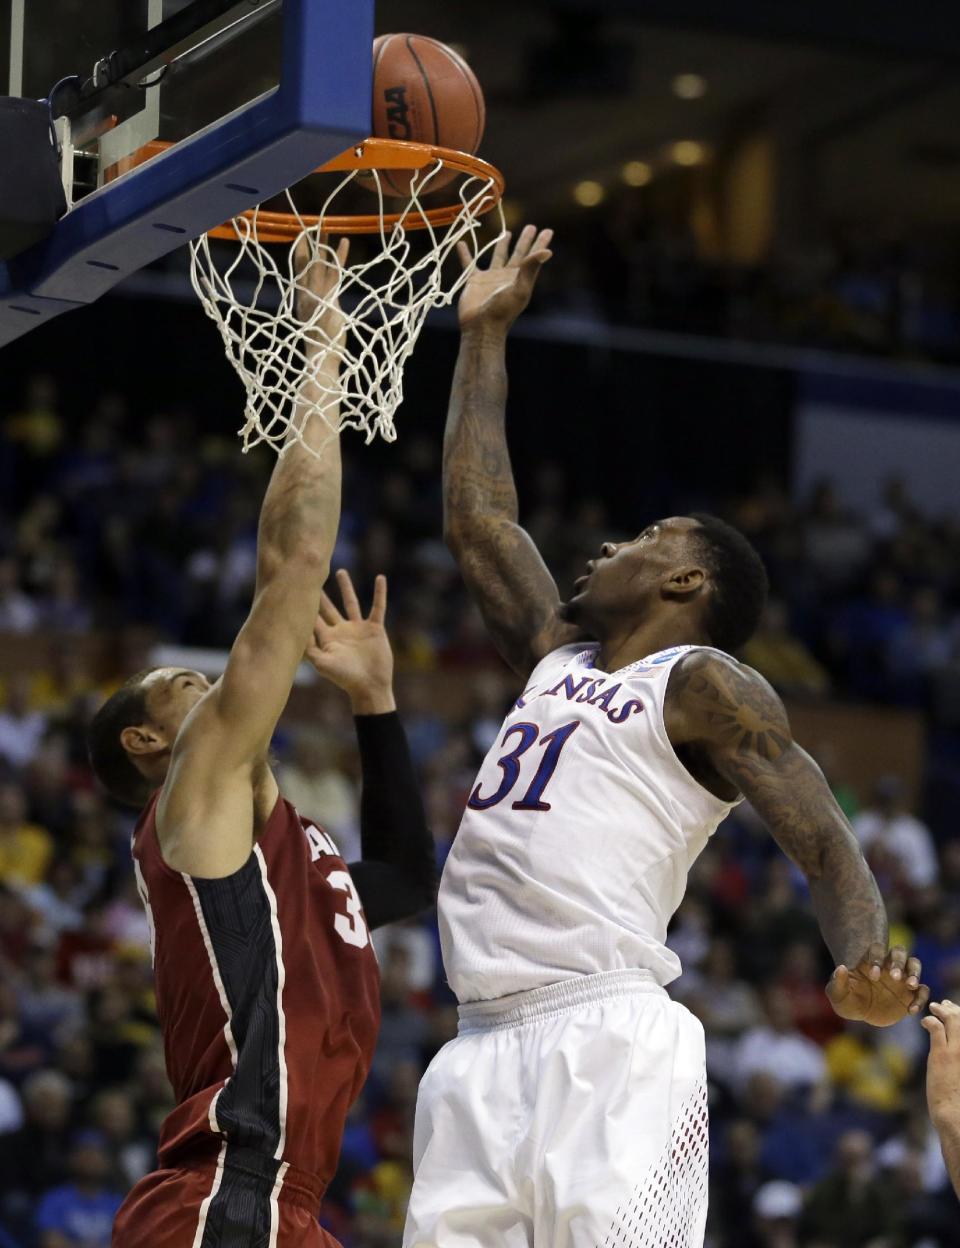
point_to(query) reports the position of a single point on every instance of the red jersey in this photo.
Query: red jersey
(268, 996)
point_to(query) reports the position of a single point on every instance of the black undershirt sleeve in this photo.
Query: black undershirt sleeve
(397, 877)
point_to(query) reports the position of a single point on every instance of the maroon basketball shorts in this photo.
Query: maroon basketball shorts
(217, 1205)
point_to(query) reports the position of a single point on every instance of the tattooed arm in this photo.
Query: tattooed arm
(733, 728)
(502, 568)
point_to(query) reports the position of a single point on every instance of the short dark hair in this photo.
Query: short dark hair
(739, 578)
(111, 763)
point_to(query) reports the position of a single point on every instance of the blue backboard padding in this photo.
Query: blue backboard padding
(322, 105)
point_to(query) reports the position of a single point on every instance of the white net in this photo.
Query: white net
(255, 298)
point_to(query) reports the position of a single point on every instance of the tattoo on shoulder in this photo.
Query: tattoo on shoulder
(727, 704)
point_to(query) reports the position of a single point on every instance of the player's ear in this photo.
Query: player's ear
(142, 740)
(684, 583)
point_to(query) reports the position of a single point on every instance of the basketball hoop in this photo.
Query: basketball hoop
(384, 298)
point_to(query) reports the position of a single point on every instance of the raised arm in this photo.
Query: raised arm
(502, 568)
(205, 816)
(729, 717)
(397, 876)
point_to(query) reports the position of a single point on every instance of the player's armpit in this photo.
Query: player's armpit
(732, 715)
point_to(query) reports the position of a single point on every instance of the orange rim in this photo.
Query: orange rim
(284, 227)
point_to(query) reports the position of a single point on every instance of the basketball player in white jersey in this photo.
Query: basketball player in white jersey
(570, 1111)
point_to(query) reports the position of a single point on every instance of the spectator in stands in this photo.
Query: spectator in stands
(403, 1027)
(25, 848)
(726, 1005)
(58, 899)
(313, 779)
(154, 1094)
(62, 608)
(23, 1048)
(917, 1139)
(776, 1210)
(17, 923)
(871, 1069)
(92, 844)
(132, 1151)
(784, 659)
(44, 1003)
(37, 427)
(940, 942)
(776, 920)
(80, 1213)
(11, 1108)
(837, 544)
(427, 730)
(21, 727)
(919, 649)
(853, 1207)
(802, 979)
(736, 1177)
(887, 828)
(33, 1157)
(777, 1048)
(18, 612)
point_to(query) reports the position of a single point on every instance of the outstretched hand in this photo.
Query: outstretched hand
(497, 295)
(942, 1025)
(879, 990)
(318, 277)
(353, 651)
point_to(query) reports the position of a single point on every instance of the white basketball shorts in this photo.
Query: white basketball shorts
(573, 1116)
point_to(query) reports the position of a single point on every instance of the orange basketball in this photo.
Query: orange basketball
(424, 92)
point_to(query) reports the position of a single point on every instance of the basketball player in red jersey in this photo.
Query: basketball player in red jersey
(266, 979)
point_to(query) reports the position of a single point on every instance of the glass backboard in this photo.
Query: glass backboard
(252, 94)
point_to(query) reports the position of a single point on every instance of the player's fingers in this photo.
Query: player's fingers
(936, 1031)
(464, 254)
(351, 603)
(839, 984)
(532, 265)
(542, 241)
(328, 611)
(875, 959)
(920, 999)
(378, 612)
(524, 243)
(501, 250)
(896, 961)
(914, 971)
(949, 1015)
(343, 251)
(304, 250)
(534, 262)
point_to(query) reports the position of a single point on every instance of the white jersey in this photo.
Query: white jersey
(575, 846)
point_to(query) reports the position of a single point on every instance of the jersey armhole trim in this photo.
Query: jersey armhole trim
(670, 749)
(173, 874)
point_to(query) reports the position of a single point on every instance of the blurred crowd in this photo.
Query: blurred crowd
(818, 1130)
(857, 288)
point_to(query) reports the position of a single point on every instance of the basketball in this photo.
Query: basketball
(424, 92)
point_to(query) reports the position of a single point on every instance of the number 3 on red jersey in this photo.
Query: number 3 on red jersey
(350, 927)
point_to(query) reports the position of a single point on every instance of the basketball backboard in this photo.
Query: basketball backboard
(253, 94)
